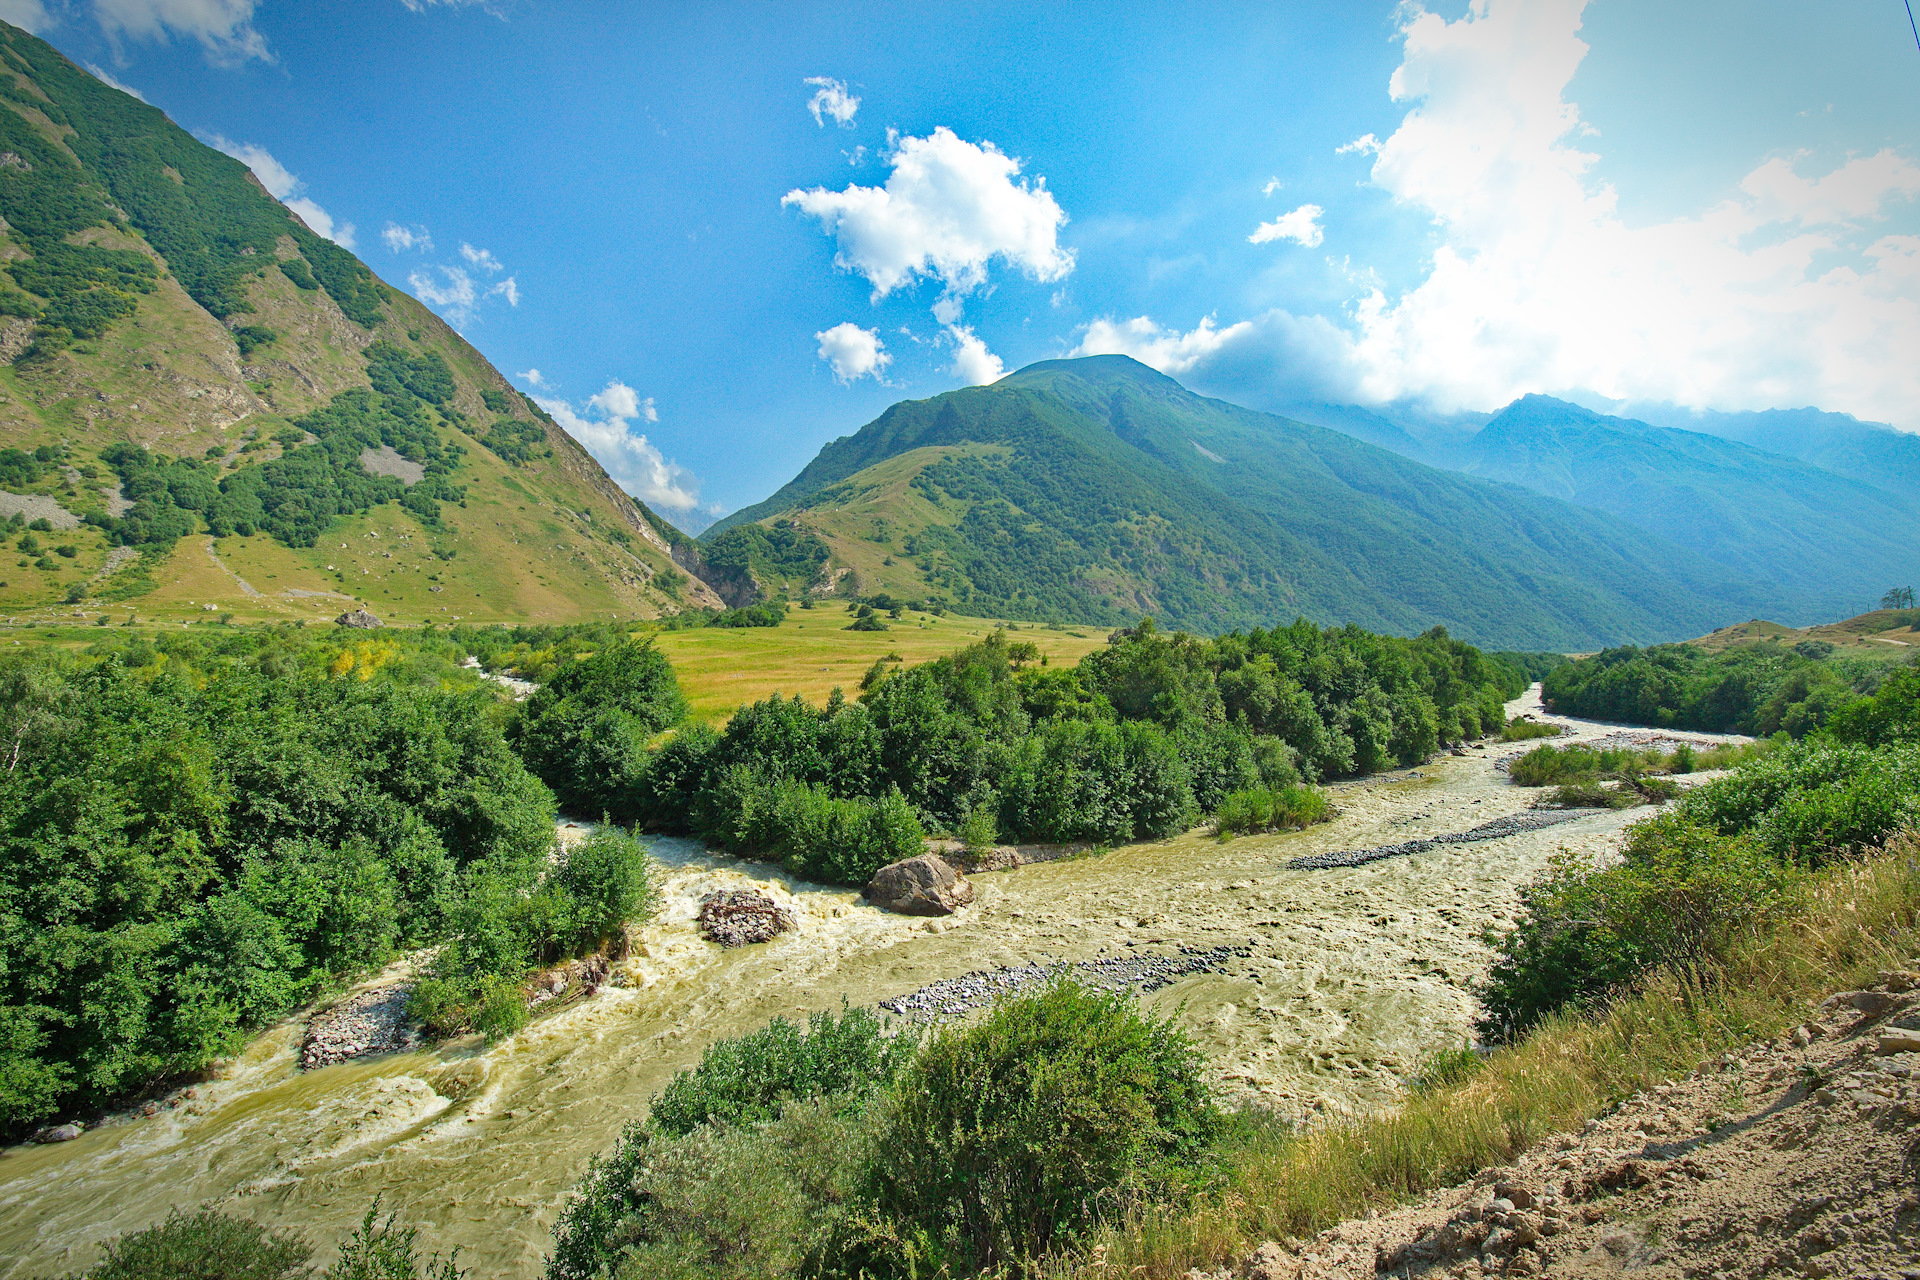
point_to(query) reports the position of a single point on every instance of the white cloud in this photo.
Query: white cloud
(401, 239)
(1272, 185)
(453, 290)
(1364, 145)
(1168, 350)
(224, 28)
(97, 73)
(31, 15)
(1782, 293)
(972, 362)
(481, 258)
(508, 289)
(830, 98)
(629, 457)
(1302, 226)
(285, 186)
(948, 210)
(532, 378)
(493, 7)
(853, 353)
(321, 223)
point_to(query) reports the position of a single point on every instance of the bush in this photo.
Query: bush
(380, 1250)
(754, 1078)
(1590, 931)
(1014, 1134)
(585, 731)
(1291, 808)
(1812, 802)
(1526, 730)
(204, 1246)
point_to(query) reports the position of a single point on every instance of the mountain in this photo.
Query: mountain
(1814, 543)
(213, 409)
(1870, 452)
(1096, 490)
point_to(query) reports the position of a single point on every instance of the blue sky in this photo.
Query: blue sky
(717, 260)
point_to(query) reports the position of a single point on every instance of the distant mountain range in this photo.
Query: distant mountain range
(213, 409)
(1097, 490)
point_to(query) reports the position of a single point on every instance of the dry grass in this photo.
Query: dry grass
(1850, 922)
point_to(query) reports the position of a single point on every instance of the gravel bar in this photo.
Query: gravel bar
(1146, 971)
(1531, 820)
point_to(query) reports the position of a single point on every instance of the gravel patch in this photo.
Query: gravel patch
(1512, 825)
(385, 462)
(37, 506)
(1144, 971)
(372, 1022)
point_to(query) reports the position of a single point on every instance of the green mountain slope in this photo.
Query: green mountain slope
(213, 408)
(1870, 452)
(1097, 489)
(1815, 544)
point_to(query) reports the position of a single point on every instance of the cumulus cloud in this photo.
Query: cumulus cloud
(223, 28)
(1785, 291)
(605, 428)
(97, 73)
(449, 288)
(285, 186)
(1364, 145)
(831, 99)
(1302, 226)
(481, 258)
(853, 353)
(532, 378)
(403, 239)
(1167, 350)
(973, 364)
(29, 14)
(949, 209)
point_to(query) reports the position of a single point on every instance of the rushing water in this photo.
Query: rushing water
(1353, 975)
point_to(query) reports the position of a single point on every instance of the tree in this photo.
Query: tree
(1897, 598)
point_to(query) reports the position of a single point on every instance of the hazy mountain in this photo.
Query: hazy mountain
(1871, 452)
(311, 435)
(1097, 489)
(1817, 544)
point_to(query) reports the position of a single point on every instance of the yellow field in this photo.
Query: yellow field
(1883, 631)
(720, 668)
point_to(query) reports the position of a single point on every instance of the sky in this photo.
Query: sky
(709, 239)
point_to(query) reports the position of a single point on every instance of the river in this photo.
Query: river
(1353, 975)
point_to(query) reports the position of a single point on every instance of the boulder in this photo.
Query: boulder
(1899, 1042)
(922, 886)
(742, 917)
(358, 618)
(57, 1133)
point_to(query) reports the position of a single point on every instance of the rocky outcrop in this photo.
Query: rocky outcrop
(742, 917)
(374, 1021)
(922, 886)
(358, 618)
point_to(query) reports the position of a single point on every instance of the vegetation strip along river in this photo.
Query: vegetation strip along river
(1348, 978)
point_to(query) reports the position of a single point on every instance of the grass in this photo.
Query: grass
(1848, 923)
(1581, 765)
(1527, 730)
(810, 654)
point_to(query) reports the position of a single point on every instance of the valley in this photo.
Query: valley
(1353, 978)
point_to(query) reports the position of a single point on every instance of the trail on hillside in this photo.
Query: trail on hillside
(1328, 987)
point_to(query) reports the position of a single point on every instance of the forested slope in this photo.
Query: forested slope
(214, 407)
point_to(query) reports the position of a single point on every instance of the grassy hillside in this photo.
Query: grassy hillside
(1814, 544)
(1097, 490)
(216, 410)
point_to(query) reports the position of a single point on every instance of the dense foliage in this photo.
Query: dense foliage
(297, 496)
(1721, 857)
(201, 832)
(754, 562)
(1138, 741)
(841, 1152)
(585, 732)
(1758, 688)
(209, 1245)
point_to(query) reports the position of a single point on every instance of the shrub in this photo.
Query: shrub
(1812, 802)
(979, 832)
(204, 1246)
(381, 1250)
(1291, 808)
(1526, 730)
(585, 731)
(1012, 1135)
(754, 1078)
(1590, 931)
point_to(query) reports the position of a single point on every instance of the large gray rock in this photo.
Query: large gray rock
(922, 886)
(358, 618)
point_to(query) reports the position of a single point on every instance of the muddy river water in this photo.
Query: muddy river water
(1351, 976)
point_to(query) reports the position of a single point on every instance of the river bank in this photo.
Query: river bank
(1340, 981)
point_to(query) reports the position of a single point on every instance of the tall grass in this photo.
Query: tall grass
(1527, 730)
(1290, 808)
(1577, 763)
(1844, 924)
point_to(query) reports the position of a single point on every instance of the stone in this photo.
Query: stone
(921, 886)
(358, 618)
(1899, 1042)
(374, 1021)
(1872, 1003)
(1900, 980)
(1268, 1262)
(1519, 1195)
(58, 1133)
(742, 917)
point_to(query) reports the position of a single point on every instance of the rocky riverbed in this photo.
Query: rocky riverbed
(1317, 991)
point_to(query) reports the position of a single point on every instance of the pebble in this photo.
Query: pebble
(1513, 825)
(1143, 970)
(372, 1022)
